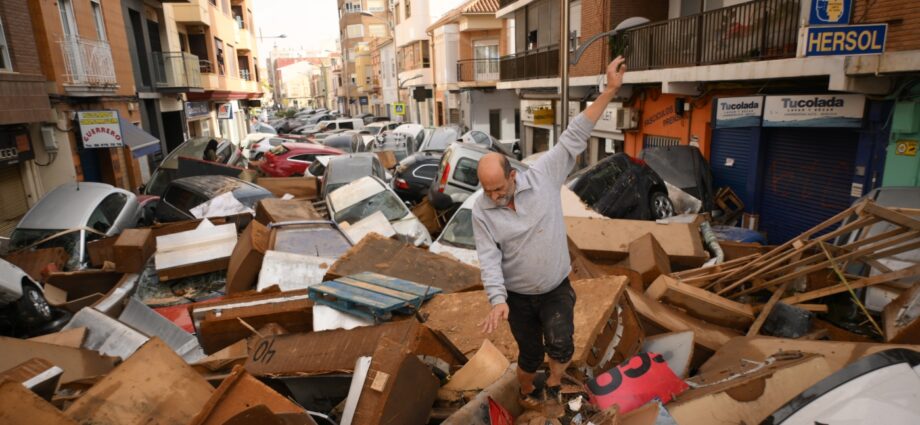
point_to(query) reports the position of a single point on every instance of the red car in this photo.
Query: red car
(292, 159)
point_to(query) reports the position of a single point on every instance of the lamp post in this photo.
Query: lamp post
(567, 60)
(418, 111)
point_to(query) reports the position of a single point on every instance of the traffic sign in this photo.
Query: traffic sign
(399, 108)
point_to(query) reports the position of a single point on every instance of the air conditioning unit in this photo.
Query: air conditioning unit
(627, 118)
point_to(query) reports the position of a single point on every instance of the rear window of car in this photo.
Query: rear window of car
(183, 199)
(466, 172)
(347, 124)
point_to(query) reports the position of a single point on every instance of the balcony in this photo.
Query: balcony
(177, 71)
(194, 13)
(88, 63)
(245, 75)
(478, 70)
(537, 63)
(757, 30)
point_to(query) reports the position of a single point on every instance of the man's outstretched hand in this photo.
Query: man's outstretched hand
(615, 72)
(496, 316)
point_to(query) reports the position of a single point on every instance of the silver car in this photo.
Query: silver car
(73, 214)
(17, 287)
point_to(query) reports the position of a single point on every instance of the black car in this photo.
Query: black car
(414, 175)
(182, 195)
(346, 142)
(621, 186)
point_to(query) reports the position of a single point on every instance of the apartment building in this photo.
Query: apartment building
(296, 85)
(383, 62)
(360, 23)
(221, 34)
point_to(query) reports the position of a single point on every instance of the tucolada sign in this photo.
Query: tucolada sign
(814, 111)
(732, 112)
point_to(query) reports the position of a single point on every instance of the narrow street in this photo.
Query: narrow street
(459, 212)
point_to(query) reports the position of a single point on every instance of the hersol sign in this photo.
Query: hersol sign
(739, 111)
(100, 129)
(814, 111)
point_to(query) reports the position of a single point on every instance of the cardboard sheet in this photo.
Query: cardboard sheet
(21, 406)
(206, 249)
(246, 259)
(482, 370)
(238, 392)
(77, 363)
(69, 338)
(610, 239)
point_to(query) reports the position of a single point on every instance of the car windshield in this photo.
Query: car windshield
(321, 240)
(384, 201)
(459, 232)
(441, 139)
(192, 148)
(373, 130)
(22, 238)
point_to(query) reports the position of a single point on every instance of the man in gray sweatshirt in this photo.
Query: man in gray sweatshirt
(523, 256)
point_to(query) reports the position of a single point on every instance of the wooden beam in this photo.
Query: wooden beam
(862, 283)
(762, 317)
(893, 216)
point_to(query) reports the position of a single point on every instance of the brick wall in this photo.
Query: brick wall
(902, 17)
(19, 35)
(23, 97)
(599, 16)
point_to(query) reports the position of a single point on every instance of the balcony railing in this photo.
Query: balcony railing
(88, 62)
(537, 63)
(205, 67)
(244, 74)
(177, 70)
(478, 70)
(757, 30)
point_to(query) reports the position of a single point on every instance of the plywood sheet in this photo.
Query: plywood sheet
(610, 239)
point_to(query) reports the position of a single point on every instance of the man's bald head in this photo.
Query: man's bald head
(496, 177)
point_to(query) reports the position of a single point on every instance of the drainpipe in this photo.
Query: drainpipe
(564, 64)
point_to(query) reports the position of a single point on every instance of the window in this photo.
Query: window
(426, 172)
(182, 199)
(466, 172)
(355, 31)
(231, 65)
(375, 5)
(408, 8)
(574, 24)
(377, 30)
(107, 212)
(68, 21)
(98, 19)
(309, 157)
(396, 13)
(346, 124)
(219, 48)
(5, 63)
(495, 122)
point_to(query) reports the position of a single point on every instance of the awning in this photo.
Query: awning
(141, 142)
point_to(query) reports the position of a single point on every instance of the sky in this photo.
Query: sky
(311, 25)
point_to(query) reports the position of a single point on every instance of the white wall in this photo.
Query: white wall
(388, 73)
(476, 104)
(446, 53)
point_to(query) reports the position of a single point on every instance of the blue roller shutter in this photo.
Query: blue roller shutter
(807, 179)
(731, 157)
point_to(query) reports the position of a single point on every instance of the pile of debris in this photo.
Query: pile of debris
(312, 327)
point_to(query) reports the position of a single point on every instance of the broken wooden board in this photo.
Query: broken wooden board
(152, 386)
(647, 257)
(132, 249)
(277, 210)
(597, 320)
(610, 239)
(401, 260)
(482, 370)
(206, 249)
(69, 338)
(238, 392)
(398, 389)
(34, 262)
(78, 364)
(666, 318)
(701, 303)
(336, 351)
(300, 187)
(18, 405)
(74, 290)
(38, 375)
(246, 258)
(503, 392)
(902, 318)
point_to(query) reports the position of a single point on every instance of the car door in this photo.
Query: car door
(378, 169)
(106, 214)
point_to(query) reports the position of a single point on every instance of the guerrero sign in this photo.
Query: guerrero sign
(814, 111)
(846, 40)
(100, 129)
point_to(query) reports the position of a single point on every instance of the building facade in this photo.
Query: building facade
(360, 23)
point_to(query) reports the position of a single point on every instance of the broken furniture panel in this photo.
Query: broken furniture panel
(483, 370)
(335, 351)
(371, 295)
(291, 272)
(238, 392)
(18, 405)
(37, 375)
(701, 303)
(150, 323)
(70, 338)
(153, 385)
(374, 223)
(401, 260)
(74, 290)
(648, 258)
(302, 188)
(504, 392)
(107, 335)
(262, 415)
(398, 389)
(901, 318)
(224, 322)
(132, 249)
(77, 363)
(277, 210)
(206, 249)
(610, 238)
(246, 258)
(34, 263)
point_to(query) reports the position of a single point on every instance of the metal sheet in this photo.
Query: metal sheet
(106, 335)
(151, 323)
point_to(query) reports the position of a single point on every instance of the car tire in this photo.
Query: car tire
(660, 205)
(33, 306)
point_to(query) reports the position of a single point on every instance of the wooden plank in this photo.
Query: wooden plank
(762, 317)
(715, 268)
(401, 285)
(814, 308)
(377, 289)
(862, 283)
(701, 303)
(892, 216)
(358, 295)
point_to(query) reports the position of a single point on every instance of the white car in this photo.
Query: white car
(456, 240)
(361, 198)
(251, 140)
(17, 287)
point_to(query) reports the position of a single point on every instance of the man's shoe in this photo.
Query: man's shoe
(532, 400)
(554, 394)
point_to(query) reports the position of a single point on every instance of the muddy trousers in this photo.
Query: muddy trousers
(543, 324)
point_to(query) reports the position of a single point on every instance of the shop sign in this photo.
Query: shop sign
(15, 147)
(830, 12)
(608, 121)
(814, 111)
(574, 110)
(196, 109)
(225, 111)
(399, 108)
(528, 107)
(363, 100)
(544, 116)
(732, 112)
(906, 148)
(99, 129)
(846, 40)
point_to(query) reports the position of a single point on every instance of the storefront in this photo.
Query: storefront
(667, 120)
(606, 138)
(537, 117)
(797, 160)
(15, 150)
(198, 115)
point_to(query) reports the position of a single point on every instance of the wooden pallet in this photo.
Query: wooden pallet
(372, 295)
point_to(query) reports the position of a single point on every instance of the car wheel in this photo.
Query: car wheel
(660, 206)
(33, 305)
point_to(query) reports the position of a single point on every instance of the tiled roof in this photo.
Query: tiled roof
(481, 6)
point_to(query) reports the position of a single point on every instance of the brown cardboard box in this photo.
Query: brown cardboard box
(238, 392)
(154, 385)
(274, 210)
(218, 323)
(300, 187)
(246, 260)
(101, 250)
(74, 290)
(428, 216)
(647, 257)
(132, 250)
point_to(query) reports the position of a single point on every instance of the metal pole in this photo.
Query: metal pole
(347, 80)
(564, 64)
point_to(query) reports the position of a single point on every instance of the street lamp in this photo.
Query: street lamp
(400, 86)
(567, 60)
